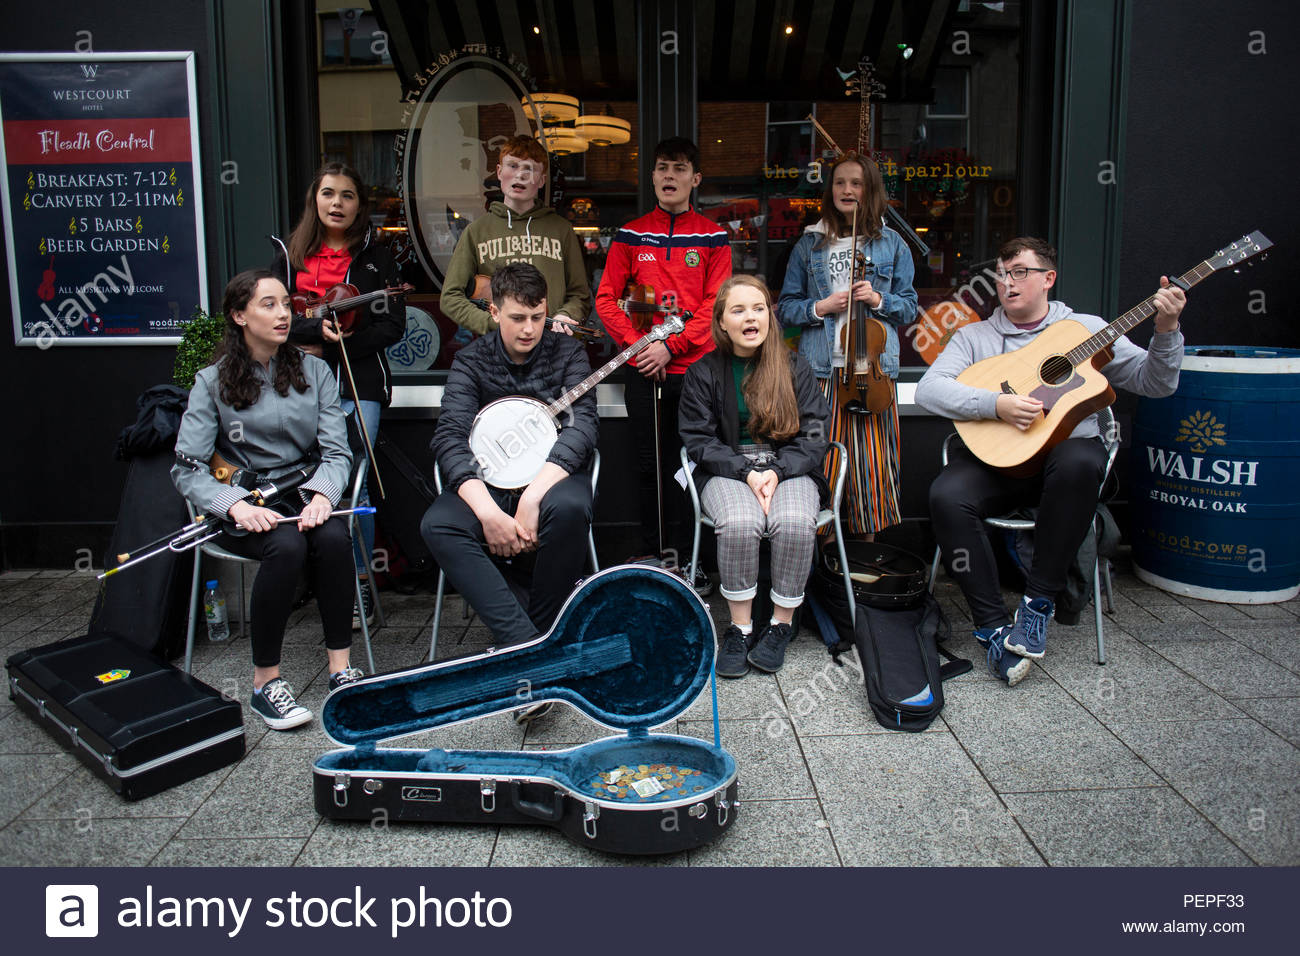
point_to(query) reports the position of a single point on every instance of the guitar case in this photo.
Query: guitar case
(632, 648)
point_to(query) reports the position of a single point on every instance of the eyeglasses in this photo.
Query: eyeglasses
(1020, 273)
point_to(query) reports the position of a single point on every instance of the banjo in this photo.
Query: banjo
(513, 436)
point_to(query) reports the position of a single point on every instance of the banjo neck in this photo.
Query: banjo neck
(565, 401)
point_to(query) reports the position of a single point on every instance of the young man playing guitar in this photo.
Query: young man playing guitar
(683, 257)
(1065, 490)
(541, 524)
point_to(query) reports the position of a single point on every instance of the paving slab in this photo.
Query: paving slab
(1240, 775)
(1279, 714)
(1149, 826)
(222, 852)
(772, 833)
(267, 795)
(360, 843)
(101, 843)
(768, 760)
(1232, 670)
(1135, 684)
(24, 779)
(1043, 741)
(912, 800)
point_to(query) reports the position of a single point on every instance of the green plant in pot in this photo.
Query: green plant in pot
(200, 340)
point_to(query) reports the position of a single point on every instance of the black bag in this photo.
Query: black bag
(899, 651)
(150, 603)
(408, 494)
(140, 724)
(898, 633)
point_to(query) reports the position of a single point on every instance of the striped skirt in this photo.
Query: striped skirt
(871, 488)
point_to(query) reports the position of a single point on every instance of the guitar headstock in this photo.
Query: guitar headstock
(1238, 252)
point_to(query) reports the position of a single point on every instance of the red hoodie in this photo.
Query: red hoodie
(683, 254)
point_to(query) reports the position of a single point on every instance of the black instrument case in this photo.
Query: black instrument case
(632, 648)
(140, 724)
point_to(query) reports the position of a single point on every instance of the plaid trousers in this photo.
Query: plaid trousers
(741, 525)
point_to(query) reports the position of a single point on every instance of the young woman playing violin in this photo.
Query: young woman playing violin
(753, 421)
(270, 409)
(819, 295)
(333, 244)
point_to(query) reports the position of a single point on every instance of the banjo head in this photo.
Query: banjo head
(511, 439)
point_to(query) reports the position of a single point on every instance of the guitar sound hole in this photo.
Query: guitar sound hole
(1056, 370)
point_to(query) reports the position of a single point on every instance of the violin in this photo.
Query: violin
(863, 338)
(638, 302)
(341, 302)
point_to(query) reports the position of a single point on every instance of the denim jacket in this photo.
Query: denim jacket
(807, 280)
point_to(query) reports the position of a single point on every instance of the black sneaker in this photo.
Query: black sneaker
(526, 715)
(703, 584)
(277, 706)
(368, 603)
(349, 675)
(769, 653)
(731, 654)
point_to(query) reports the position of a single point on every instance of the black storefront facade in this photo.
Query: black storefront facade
(1136, 135)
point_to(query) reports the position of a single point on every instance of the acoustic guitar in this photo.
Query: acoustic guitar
(1062, 369)
(512, 437)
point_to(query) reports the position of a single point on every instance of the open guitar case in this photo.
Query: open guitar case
(632, 648)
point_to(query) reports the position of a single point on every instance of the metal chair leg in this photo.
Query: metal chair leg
(365, 628)
(192, 626)
(934, 569)
(437, 615)
(1096, 603)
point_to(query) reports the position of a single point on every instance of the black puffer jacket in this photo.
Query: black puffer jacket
(379, 325)
(708, 421)
(482, 373)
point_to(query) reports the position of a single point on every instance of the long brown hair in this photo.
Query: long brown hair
(769, 387)
(870, 211)
(239, 387)
(307, 236)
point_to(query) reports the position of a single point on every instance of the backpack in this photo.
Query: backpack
(898, 641)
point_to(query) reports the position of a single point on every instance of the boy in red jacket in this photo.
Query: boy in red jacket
(683, 258)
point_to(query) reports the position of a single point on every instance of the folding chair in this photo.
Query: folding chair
(827, 516)
(1101, 569)
(213, 550)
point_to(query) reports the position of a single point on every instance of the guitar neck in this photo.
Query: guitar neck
(1131, 319)
(565, 401)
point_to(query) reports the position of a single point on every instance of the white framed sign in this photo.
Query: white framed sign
(102, 197)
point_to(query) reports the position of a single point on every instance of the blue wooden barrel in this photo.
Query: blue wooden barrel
(1215, 478)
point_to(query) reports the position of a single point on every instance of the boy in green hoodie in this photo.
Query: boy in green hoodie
(517, 230)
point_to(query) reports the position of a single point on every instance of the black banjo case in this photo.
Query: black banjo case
(632, 648)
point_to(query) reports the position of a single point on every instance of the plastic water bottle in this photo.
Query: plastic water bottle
(214, 609)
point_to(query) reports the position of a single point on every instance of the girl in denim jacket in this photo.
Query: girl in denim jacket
(815, 299)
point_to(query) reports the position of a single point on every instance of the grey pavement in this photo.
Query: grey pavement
(1184, 750)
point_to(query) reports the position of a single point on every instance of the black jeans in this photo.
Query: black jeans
(326, 553)
(968, 491)
(638, 396)
(455, 536)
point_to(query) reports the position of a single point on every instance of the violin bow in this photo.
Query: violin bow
(356, 407)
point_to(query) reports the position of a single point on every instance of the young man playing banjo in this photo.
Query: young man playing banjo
(541, 523)
(1065, 490)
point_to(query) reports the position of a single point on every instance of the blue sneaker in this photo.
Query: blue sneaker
(1028, 636)
(1003, 664)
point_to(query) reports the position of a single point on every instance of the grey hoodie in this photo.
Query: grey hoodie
(1152, 372)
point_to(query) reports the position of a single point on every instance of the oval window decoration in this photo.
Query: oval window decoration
(466, 110)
